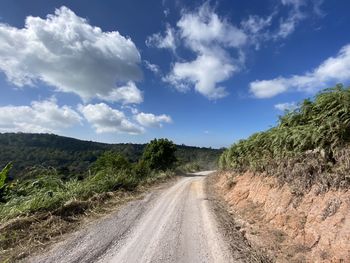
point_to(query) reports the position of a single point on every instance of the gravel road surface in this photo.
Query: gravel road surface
(175, 224)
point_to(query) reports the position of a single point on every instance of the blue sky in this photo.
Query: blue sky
(203, 73)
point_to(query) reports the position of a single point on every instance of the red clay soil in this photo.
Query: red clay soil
(314, 227)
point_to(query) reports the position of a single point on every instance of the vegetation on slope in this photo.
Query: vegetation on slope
(45, 191)
(72, 157)
(41, 206)
(310, 144)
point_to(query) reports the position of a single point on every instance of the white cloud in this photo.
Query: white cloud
(66, 52)
(255, 24)
(332, 70)
(278, 26)
(204, 28)
(287, 106)
(268, 88)
(209, 37)
(212, 39)
(166, 41)
(105, 119)
(297, 13)
(288, 25)
(166, 12)
(151, 120)
(256, 28)
(125, 94)
(40, 116)
(204, 72)
(152, 67)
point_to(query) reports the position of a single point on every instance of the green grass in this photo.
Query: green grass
(48, 192)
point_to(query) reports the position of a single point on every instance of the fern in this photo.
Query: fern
(4, 174)
(322, 124)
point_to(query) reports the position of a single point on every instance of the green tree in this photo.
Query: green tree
(159, 154)
(111, 160)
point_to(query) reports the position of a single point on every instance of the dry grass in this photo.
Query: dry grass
(22, 236)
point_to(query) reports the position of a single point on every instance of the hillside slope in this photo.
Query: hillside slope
(289, 185)
(72, 157)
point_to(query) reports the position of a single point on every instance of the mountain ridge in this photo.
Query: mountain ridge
(71, 156)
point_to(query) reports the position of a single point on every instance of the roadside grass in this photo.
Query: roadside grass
(42, 206)
(190, 167)
(310, 144)
(55, 193)
(33, 222)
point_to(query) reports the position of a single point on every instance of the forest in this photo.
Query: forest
(73, 157)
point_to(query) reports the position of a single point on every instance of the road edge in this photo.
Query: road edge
(241, 249)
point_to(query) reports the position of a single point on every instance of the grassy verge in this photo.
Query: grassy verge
(31, 224)
(42, 206)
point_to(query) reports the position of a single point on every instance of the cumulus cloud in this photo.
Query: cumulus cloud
(40, 116)
(105, 119)
(66, 52)
(287, 106)
(332, 70)
(208, 36)
(204, 72)
(125, 94)
(214, 39)
(151, 120)
(204, 28)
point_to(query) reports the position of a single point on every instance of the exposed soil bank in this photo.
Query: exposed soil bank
(313, 227)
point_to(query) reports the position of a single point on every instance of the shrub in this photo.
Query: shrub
(44, 190)
(141, 169)
(159, 154)
(111, 160)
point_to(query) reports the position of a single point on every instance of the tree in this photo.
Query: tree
(111, 160)
(159, 154)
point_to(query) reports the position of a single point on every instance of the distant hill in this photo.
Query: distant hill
(72, 157)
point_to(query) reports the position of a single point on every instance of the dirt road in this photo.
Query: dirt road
(172, 225)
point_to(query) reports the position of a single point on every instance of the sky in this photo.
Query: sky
(204, 73)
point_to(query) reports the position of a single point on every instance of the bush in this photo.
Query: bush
(141, 169)
(191, 167)
(159, 154)
(111, 160)
(44, 189)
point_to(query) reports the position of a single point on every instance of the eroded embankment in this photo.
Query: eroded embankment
(313, 227)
